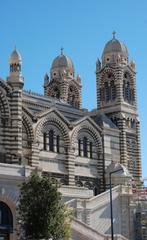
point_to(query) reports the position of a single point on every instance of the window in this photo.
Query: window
(113, 90)
(79, 147)
(6, 219)
(85, 147)
(44, 141)
(90, 145)
(107, 96)
(51, 140)
(128, 89)
(58, 140)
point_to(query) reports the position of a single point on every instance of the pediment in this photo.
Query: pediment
(87, 121)
(53, 112)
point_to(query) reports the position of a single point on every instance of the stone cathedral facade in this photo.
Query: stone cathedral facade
(52, 133)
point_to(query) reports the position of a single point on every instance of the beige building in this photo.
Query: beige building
(53, 133)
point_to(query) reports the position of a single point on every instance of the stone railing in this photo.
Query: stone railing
(81, 231)
(102, 198)
(13, 170)
(76, 192)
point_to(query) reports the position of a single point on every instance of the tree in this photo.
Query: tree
(42, 213)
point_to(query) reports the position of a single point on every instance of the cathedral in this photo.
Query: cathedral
(53, 134)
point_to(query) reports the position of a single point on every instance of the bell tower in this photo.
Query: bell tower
(116, 97)
(62, 84)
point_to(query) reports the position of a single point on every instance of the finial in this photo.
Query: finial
(62, 50)
(113, 34)
(15, 47)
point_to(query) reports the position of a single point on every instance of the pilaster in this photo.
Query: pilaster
(71, 166)
(123, 142)
(16, 125)
(35, 155)
(138, 153)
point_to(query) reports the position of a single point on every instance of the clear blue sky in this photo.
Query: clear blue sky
(39, 28)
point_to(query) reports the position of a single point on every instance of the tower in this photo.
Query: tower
(15, 80)
(62, 84)
(116, 97)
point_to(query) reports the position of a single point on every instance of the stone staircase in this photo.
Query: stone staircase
(81, 231)
(95, 212)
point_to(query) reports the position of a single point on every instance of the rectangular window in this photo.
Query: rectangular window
(44, 141)
(90, 149)
(58, 144)
(79, 147)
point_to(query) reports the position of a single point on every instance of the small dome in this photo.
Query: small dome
(15, 57)
(62, 61)
(115, 45)
(115, 51)
(62, 67)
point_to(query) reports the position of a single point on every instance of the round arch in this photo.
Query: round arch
(28, 126)
(89, 129)
(6, 218)
(54, 121)
(5, 109)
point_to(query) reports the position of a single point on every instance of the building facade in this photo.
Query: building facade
(52, 132)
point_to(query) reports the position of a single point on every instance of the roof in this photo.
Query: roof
(103, 121)
(116, 46)
(62, 61)
(15, 57)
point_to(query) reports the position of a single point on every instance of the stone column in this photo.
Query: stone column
(88, 216)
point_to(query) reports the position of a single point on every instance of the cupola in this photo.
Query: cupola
(115, 52)
(15, 74)
(62, 67)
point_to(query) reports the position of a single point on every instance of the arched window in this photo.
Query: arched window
(107, 95)
(73, 96)
(56, 92)
(108, 88)
(6, 218)
(128, 89)
(102, 94)
(85, 147)
(112, 90)
(85, 153)
(51, 140)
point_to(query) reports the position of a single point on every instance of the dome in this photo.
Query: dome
(115, 45)
(115, 51)
(15, 57)
(62, 61)
(62, 66)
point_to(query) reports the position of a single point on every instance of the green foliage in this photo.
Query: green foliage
(43, 215)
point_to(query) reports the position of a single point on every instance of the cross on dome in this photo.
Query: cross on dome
(62, 50)
(113, 33)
